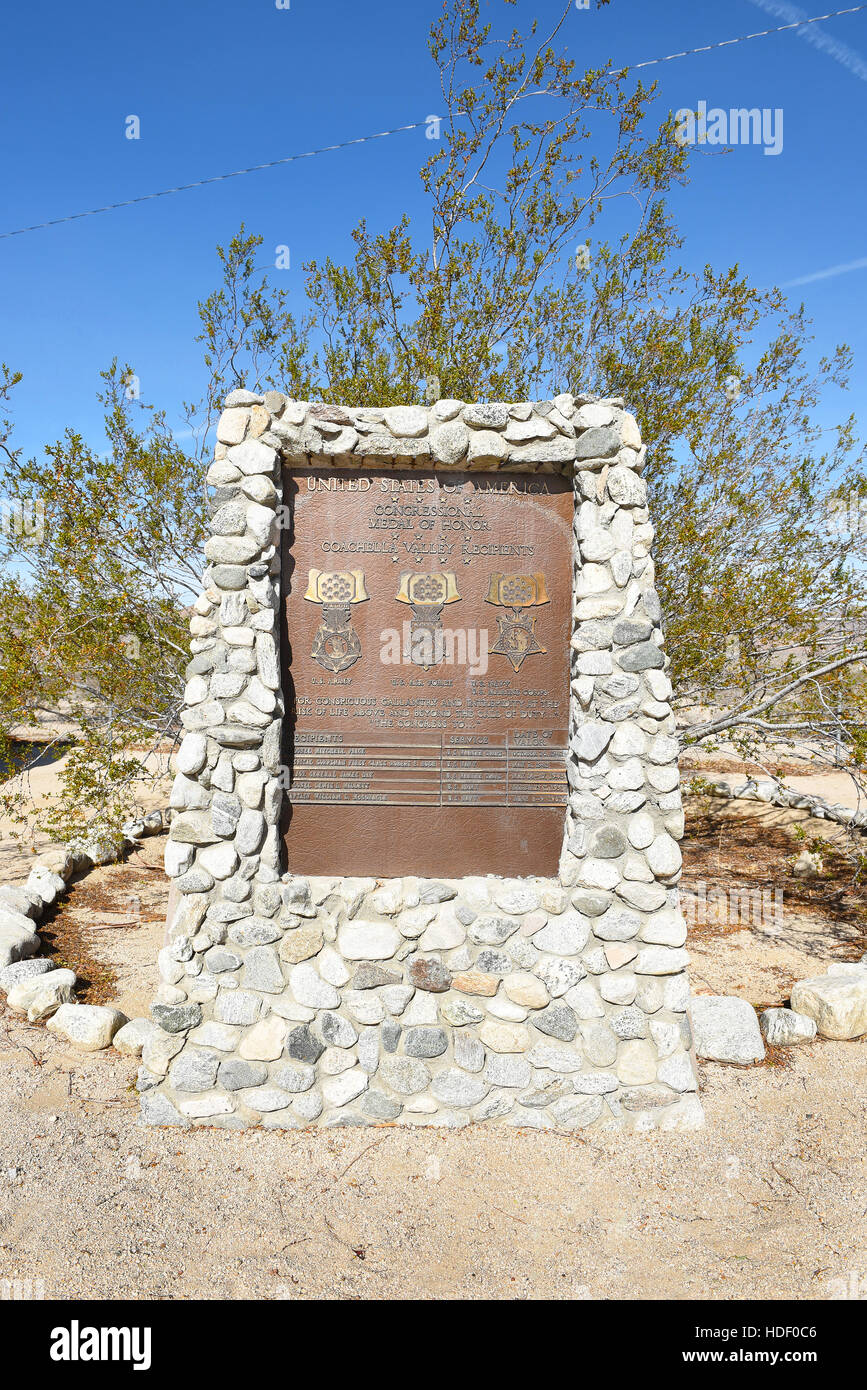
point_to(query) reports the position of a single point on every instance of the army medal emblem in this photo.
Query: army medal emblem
(517, 639)
(336, 645)
(427, 594)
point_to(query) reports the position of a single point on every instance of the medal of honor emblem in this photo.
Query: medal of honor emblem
(336, 645)
(516, 638)
(427, 594)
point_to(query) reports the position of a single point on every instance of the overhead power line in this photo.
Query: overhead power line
(214, 178)
(760, 34)
(399, 129)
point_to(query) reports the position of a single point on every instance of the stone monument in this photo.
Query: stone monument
(424, 847)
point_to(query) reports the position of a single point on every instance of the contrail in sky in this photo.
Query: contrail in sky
(828, 274)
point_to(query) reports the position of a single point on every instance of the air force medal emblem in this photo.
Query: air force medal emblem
(427, 594)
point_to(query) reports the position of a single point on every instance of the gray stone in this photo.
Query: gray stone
(489, 416)
(303, 1045)
(21, 970)
(237, 1006)
(632, 630)
(88, 1026)
(436, 893)
(449, 442)
(370, 976)
(565, 935)
(726, 1029)
(308, 1105)
(195, 881)
(623, 803)
(425, 1042)
(42, 995)
(390, 1033)
(600, 1044)
(508, 1070)
(456, 1087)
(495, 1104)
(784, 1027)
(647, 897)
(254, 931)
(368, 1051)
(516, 898)
(542, 1096)
(266, 1098)
(494, 962)
(262, 971)
(598, 443)
(595, 1083)
(646, 656)
(590, 741)
(295, 1079)
(235, 1074)
(492, 931)
(469, 1052)
(405, 1075)
(595, 961)
(650, 1097)
(177, 1018)
(523, 952)
(608, 842)
(617, 924)
(628, 1023)
(16, 944)
(380, 1106)
(337, 1031)
(557, 1021)
(194, 1070)
(577, 1112)
(218, 960)
(266, 899)
(157, 1109)
(558, 1059)
(558, 975)
(225, 813)
(590, 904)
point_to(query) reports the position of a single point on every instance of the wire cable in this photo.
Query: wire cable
(395, 130)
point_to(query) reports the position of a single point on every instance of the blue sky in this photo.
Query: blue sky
(235, 82)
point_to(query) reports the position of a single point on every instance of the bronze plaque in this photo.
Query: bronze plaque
(428, 618)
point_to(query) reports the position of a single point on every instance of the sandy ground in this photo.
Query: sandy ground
(768, 1201)
(18, 851)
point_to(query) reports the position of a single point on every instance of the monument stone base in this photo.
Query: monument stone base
(292, 999)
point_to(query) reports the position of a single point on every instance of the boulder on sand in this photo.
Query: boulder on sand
(725, 1029)
(836, 1003)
